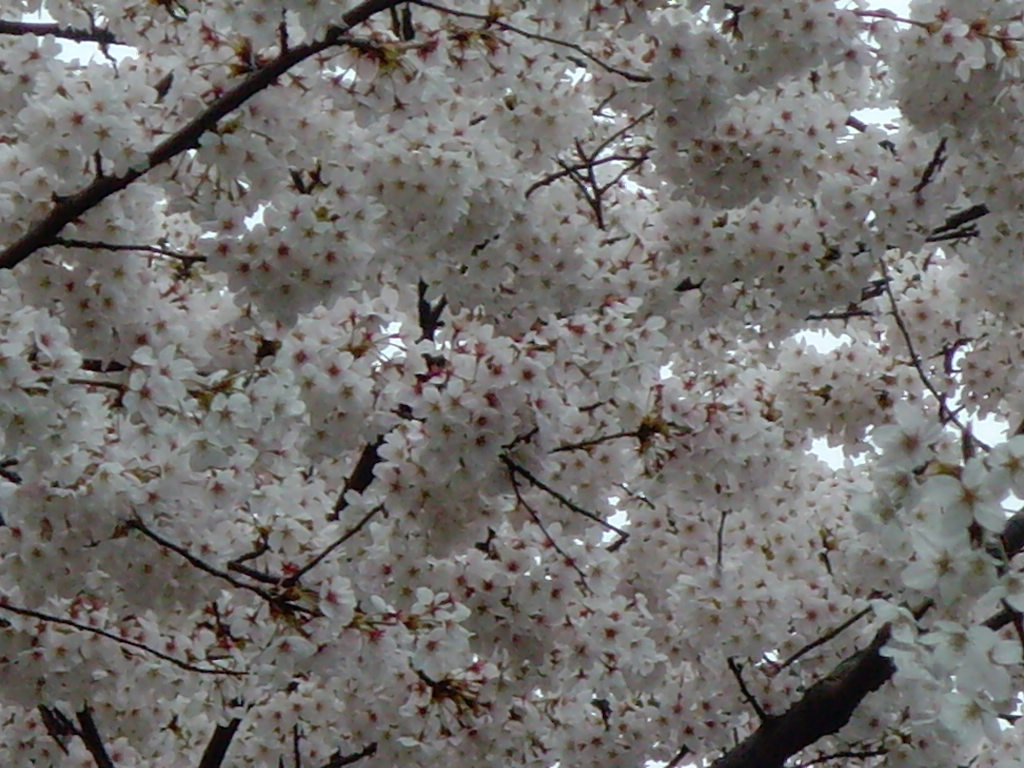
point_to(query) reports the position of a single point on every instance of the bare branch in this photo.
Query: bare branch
(93, 245)
(40, 29)
(933, 167)
(961, 218)
(915, 358)
(22, 611)
(493, 20)
(339, 760)
(294, 579)
(737, 672)
(279, 601)
(585, 444)
(45, 232)
(58, 725)
(217, 748)
(570, 561)
(826, 637)
(90, 734)
(565, 502)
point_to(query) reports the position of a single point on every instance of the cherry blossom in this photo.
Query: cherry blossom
(557, 383)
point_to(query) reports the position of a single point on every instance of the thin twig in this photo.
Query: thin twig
(100, 246)
(294, 578)
(279, 601)
(915, 358)
(569, 168)
(826, 637)
(845, 315)
(493, 20)
(933, 167)
(584, 444)
(22, 611)
(737, 672)
(536, 518)
(721, 541)
(570, 505)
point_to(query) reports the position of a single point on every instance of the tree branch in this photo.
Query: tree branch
(515, 468)
(93, 245)
(22, 611)
(491, 19)
(828, 704)
(217, 748)
(40, 29)
(825, 708)
(279, 601)
(294, 578)
(90, 734)
(339, 760)
(66, 209)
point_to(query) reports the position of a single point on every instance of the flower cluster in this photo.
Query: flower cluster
(510, 383)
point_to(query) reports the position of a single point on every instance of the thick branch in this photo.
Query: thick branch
(66, 209)
(101, 36)
(824, 709)
(828, 704)
(90, 734)
(338, 760)
(217, 749)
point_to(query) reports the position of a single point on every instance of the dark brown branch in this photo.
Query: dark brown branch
(294, 578)
(22, 611)
(93, 245)
(279, 601)
(90, 735)
(41, 29)
(516, 468)
(825, 708)
(58, 725)
(826, 637)
(961, 218)
(828, 704)
(737, 672)
(217, 748)
(296, 747)
(429, 314)
(361, 477)
(932, 169)
(569, 560)
(45, 232)
(678, 757)
(847, 314)
(493, 20)
(339, 760)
